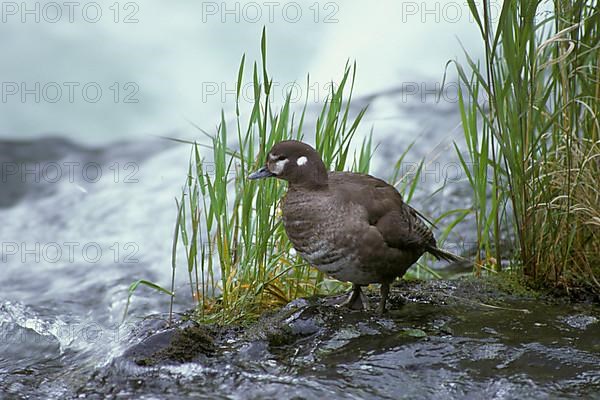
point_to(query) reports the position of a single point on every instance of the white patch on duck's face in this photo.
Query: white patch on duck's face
(301, 161)
(276, 165)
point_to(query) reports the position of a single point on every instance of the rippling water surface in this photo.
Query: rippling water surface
(87, 200)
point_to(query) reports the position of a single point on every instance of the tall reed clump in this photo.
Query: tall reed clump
(239, 260)
(531, 121)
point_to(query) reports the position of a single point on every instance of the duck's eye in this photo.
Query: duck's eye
(275, 158)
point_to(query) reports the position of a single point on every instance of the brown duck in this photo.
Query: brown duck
(352, 227)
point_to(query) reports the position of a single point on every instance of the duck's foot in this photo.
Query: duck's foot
(357, 299)
(385, 291)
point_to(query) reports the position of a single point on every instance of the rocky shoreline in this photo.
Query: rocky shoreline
(469, 331)
(186, 341)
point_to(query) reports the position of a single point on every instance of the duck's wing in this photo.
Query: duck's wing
(399, 224)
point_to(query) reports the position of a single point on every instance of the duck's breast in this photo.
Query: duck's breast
(327, 234)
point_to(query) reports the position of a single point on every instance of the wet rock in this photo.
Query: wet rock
(466, 338)
(413, 332)
(317, 325)
(580, 321)
(173, 345)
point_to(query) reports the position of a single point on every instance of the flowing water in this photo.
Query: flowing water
(87, 205)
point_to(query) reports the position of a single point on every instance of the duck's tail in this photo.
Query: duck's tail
(446, 256)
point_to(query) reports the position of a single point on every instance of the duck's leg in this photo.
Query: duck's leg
(357, 300)
(385, 291)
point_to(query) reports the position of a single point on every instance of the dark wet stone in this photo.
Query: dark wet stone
(466, 338)
(580, 321)
(150, 346)
(174, 345)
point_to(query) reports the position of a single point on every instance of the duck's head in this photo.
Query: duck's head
(295, 162)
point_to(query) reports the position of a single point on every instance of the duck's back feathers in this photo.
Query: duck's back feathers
(399, 224)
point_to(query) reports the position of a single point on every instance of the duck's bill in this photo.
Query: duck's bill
(261, 173)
